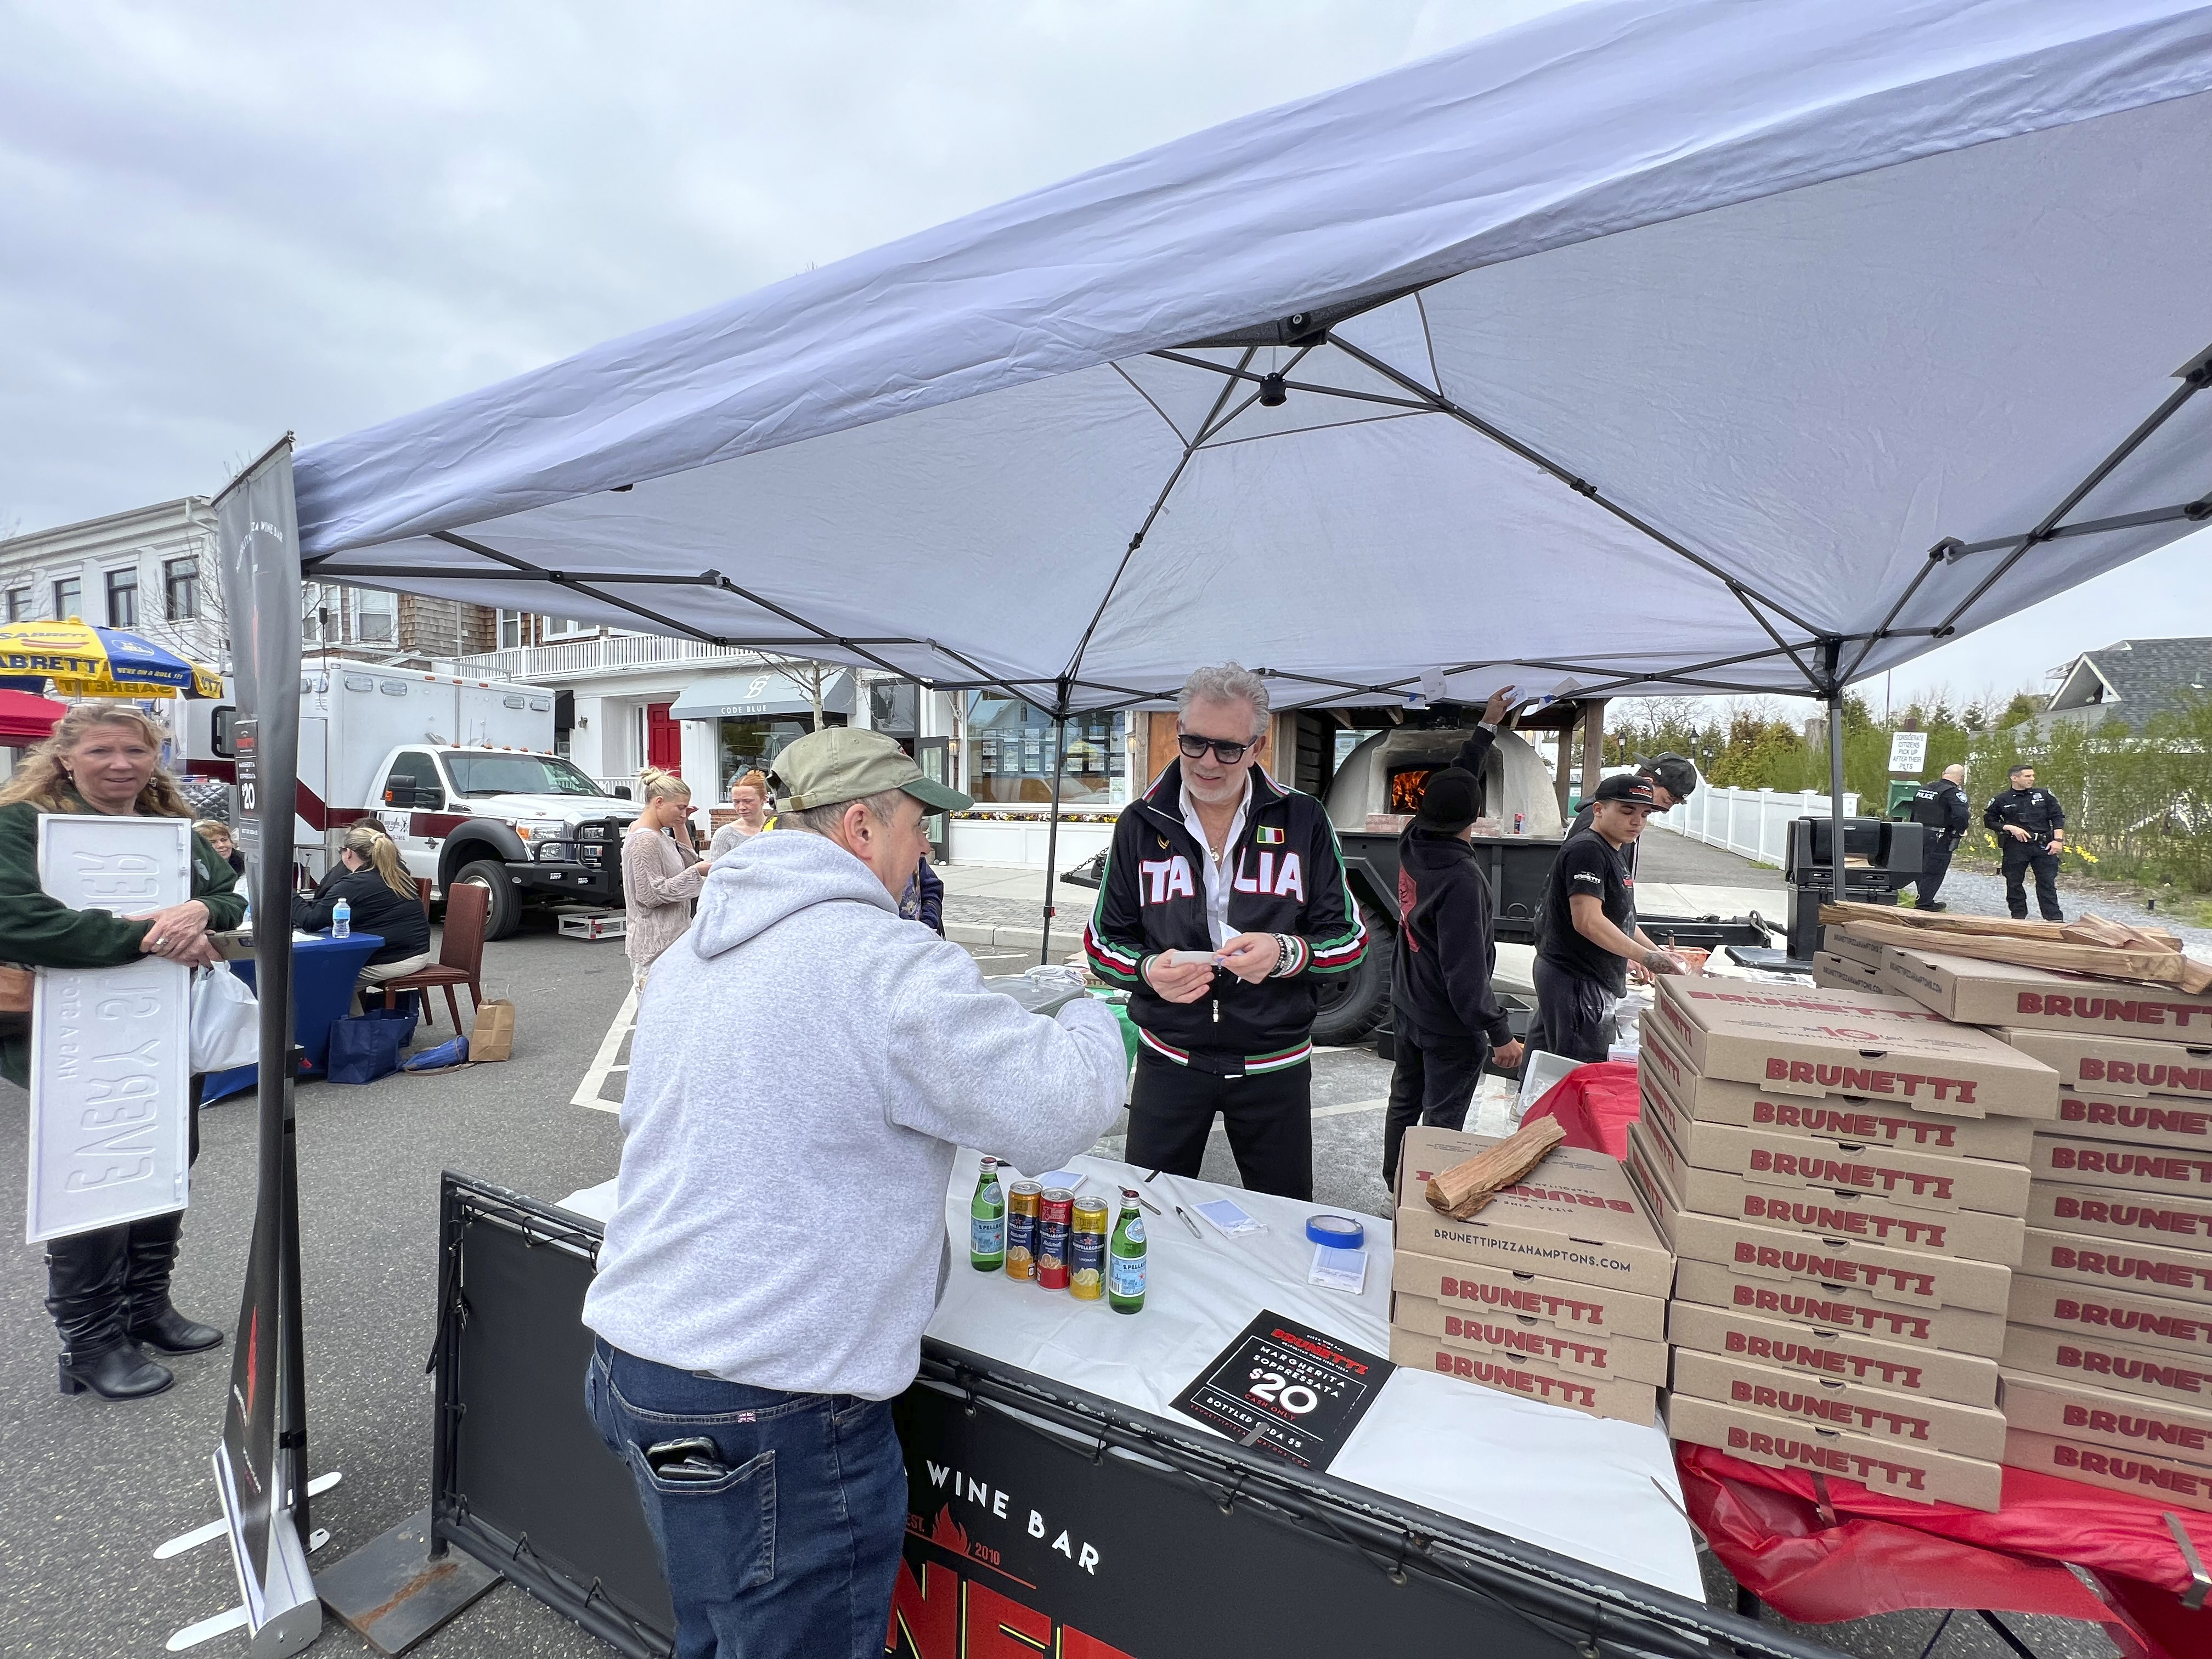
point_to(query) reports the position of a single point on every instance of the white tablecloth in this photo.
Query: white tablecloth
(1600, 1491)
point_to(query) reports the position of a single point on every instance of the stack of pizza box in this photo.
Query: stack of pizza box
(1843, 1175)
(1555, 1289)
(2108, 1356)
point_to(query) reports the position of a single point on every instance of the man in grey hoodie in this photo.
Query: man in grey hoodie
(776, 1249)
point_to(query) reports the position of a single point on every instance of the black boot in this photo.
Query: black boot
(85, 1295)
(152, 1256)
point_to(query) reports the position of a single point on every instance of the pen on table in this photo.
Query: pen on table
(1147, 1202)
(1189, 1223)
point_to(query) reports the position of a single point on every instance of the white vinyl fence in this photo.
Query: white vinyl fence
(1753, 823)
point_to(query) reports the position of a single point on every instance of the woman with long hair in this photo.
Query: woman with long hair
(385, 901)
(662, 870)
(749, 794)
(108, 1290)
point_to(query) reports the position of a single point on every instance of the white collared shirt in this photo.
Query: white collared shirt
(1217, 870)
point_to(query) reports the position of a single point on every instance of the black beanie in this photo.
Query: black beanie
(1451, 799)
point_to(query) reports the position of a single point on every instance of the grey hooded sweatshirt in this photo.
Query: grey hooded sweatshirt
(805, 1065)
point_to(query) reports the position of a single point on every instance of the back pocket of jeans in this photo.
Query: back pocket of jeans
(719, 1535)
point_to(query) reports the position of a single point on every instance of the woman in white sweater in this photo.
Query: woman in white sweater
(661, 869)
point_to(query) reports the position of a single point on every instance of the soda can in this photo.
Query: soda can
(1086, 1261)
(1055, 1211)
(1021, 1229)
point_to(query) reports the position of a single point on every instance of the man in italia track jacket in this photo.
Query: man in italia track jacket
(1242, 1049)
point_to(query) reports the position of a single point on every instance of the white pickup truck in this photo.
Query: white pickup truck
(461, 774)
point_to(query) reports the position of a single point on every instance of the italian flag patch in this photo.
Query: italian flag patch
(1268, 836)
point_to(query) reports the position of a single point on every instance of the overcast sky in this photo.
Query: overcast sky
(218, 221)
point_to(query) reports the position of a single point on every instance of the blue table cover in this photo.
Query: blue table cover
(324, 973)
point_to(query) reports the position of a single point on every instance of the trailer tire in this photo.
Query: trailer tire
(1353, 1004)
(504, 915)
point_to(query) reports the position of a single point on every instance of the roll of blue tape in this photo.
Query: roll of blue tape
(1338, 1232)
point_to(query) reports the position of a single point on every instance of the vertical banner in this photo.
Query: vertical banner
(260, 1463)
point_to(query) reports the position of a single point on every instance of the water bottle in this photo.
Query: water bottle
(342, 921)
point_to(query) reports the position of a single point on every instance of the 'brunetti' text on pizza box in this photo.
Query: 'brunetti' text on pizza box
(2119, 1367)
(2001, 994)
(1825, 1212)
(2120, 1264)
(1839, 1043)
(1918, 1181)
(2146, 1321)
(1905, 1277)
(2147, 1171)
(1574, 1217)
(2169, 1121)
(1829, 1354)
(2103, 1064)
(1897, 1469)
(2168, 1479)
(1572, 1352)
(2078, 1411)
(1840, 1307)
(1630, 1402)
(1559, 1302)
(1831, 1402)
(1844, 1117)
(2185, 1223)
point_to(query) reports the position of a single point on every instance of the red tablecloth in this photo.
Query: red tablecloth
(1594, 1105)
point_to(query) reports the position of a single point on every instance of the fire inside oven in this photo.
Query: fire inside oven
(1406, 786)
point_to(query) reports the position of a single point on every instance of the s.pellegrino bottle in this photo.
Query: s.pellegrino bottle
(1125, 1259)
(987, 1221)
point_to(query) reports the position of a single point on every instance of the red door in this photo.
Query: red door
(664, 739)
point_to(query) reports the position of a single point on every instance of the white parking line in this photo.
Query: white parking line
(603, 1064)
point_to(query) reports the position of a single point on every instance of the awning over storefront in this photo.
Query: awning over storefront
(760, 694)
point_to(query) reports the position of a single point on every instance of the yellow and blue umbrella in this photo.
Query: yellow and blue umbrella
(85, 661)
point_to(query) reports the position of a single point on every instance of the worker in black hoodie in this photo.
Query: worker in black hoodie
(1449, 1022)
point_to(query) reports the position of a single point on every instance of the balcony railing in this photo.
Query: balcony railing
(601, 653)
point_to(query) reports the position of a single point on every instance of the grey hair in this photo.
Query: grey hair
(821, 820)
(1228, 683)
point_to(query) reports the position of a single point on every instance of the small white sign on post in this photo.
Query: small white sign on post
(111, 1106)
(1908, 752)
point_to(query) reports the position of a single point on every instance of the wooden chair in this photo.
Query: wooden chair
(460, 955)
(422, 892)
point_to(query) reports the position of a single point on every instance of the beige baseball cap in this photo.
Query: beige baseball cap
(844, 763)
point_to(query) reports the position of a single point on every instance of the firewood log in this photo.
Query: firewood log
(1461, 1190)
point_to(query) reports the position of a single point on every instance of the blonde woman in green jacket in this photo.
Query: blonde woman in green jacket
(108, 1290)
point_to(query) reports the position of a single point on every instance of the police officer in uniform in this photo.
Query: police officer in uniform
(1941, 810)
(2030, 829)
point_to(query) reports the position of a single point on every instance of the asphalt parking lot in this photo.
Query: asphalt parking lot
(95, 1487)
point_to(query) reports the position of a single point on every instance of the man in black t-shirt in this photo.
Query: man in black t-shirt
(1589, 935)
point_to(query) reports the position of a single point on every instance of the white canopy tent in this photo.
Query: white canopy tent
(1660, 345)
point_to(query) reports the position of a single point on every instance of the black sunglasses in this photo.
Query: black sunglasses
(1195, 748)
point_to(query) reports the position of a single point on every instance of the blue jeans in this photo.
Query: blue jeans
(793, 1553)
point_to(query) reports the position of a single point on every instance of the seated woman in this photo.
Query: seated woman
(385, 901)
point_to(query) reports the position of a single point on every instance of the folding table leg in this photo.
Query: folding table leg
(2006, 1636)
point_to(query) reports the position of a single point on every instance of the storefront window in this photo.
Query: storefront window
(892, 705)
(1009, 749)
(756, 742)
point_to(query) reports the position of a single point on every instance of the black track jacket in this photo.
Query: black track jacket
(1287, 877)
(1446, 951)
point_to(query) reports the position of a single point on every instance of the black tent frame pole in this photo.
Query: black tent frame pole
(1052, 829)
(1833, 652)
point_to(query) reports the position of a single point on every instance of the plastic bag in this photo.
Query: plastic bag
(1044, 989)
(226, 1021)
(367, 1047)
(446, 1057)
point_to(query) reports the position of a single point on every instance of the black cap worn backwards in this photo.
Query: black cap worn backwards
(1677, 774)
(1451, 801)
(1630, 786)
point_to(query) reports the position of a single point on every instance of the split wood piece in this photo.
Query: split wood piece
(1461, 1190)
(2090, 928)
(2138, 967)
(1928, 921)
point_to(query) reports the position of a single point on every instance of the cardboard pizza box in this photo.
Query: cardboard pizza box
(2035, 999)
(2136, 1120)
(1831, 972)
(1908, 1278)
(2101, 1064)
(1831, 1403)
(1520, 1337)
(2076, 1411)
(2166, 1479)
(1882, 1466)
(1846, 1043)
(1669, 1082)
(2144, 1322)
(2115, 1166)
(2090, 1361)
(1835, 941)
(1919, 1181)
(2120, 1264)
(1783, 1344)
(1556, 1301)
(1832, 1307)
(1574, 1217)
(1822, 1211)
(1650, 1147)
(1630, 1402)
(2181, 1223)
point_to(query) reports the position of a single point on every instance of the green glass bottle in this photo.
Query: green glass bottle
(1125, 1259)
(987, 1221)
